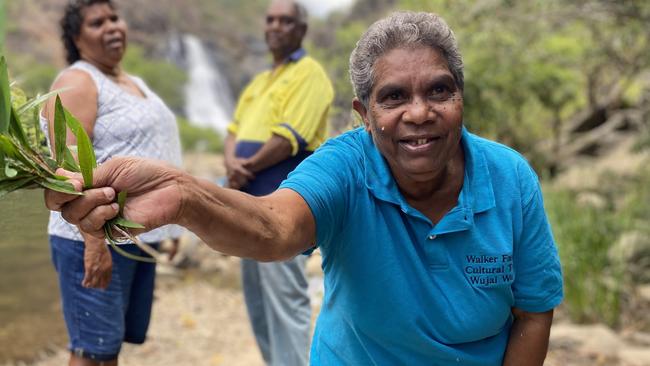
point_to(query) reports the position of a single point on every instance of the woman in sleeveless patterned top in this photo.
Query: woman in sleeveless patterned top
(106, 298)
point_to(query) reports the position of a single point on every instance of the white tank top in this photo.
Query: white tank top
(126, 125)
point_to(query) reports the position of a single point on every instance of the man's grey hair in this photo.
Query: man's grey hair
(402, 30)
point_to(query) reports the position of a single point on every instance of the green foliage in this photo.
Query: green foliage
(32, 75)
(584, 235)
(200, 139)
(335, 57)
(164, 78)
(635, 210)
(28, 111)
(529, 65)
(2, 26)
(24, 165)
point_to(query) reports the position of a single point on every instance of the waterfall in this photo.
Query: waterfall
(208, 99)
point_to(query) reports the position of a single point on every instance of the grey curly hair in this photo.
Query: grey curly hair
(399, 30)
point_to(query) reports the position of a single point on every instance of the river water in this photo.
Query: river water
(30, 317)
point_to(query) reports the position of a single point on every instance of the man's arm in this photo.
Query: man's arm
(275, 150)
(274, 227)
(238, 175)
(529, 336)
(240, 171)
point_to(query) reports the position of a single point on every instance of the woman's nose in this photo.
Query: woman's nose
(418, 111)
(112, 25)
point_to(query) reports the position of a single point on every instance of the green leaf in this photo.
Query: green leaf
(69, 163)
(38, 101)
(37, 130)
(9, 171)
(50, 163)
(59, 186)
(5, 97)
(85, 151)
(121, 200)
(16, 130)
(8, 148)
(59, 131)
(10, 186)
(61, 177)
(29, 159)
(5, 182)
(120, 221)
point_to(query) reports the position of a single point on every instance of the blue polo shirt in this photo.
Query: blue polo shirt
(401, 291)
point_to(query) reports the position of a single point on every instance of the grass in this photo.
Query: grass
(584, 235)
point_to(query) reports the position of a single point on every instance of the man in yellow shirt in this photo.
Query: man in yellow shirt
(280, 119)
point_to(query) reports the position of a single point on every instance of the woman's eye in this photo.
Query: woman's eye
(440, 92)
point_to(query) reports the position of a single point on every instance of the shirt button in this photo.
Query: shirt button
(431, 237)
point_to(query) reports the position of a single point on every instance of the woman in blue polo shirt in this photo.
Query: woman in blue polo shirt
(436, 247)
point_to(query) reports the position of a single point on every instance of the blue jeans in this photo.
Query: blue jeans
(98, 321)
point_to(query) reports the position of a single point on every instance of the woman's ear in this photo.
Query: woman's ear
(363, 112)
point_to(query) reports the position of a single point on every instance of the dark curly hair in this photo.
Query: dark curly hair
(71, 25)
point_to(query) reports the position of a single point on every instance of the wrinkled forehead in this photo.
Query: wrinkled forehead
(409, 62)
(282, 8)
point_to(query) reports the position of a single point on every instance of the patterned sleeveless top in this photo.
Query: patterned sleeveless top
(126, 125)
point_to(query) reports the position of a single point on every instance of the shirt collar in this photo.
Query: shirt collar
(296, 55)
(477, 193)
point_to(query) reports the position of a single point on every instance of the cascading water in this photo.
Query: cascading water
(208, 99)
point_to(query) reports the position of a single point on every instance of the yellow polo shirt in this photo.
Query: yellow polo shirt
(291, 101)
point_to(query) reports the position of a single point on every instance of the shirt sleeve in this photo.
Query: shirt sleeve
(323, 181)
(303, 108)
(538, 274)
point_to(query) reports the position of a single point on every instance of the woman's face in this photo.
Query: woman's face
(415, 113)
(102, 38)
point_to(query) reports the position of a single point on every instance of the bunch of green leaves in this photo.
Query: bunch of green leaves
(23, 164)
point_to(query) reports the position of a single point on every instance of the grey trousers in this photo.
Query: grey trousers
(279, 309)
